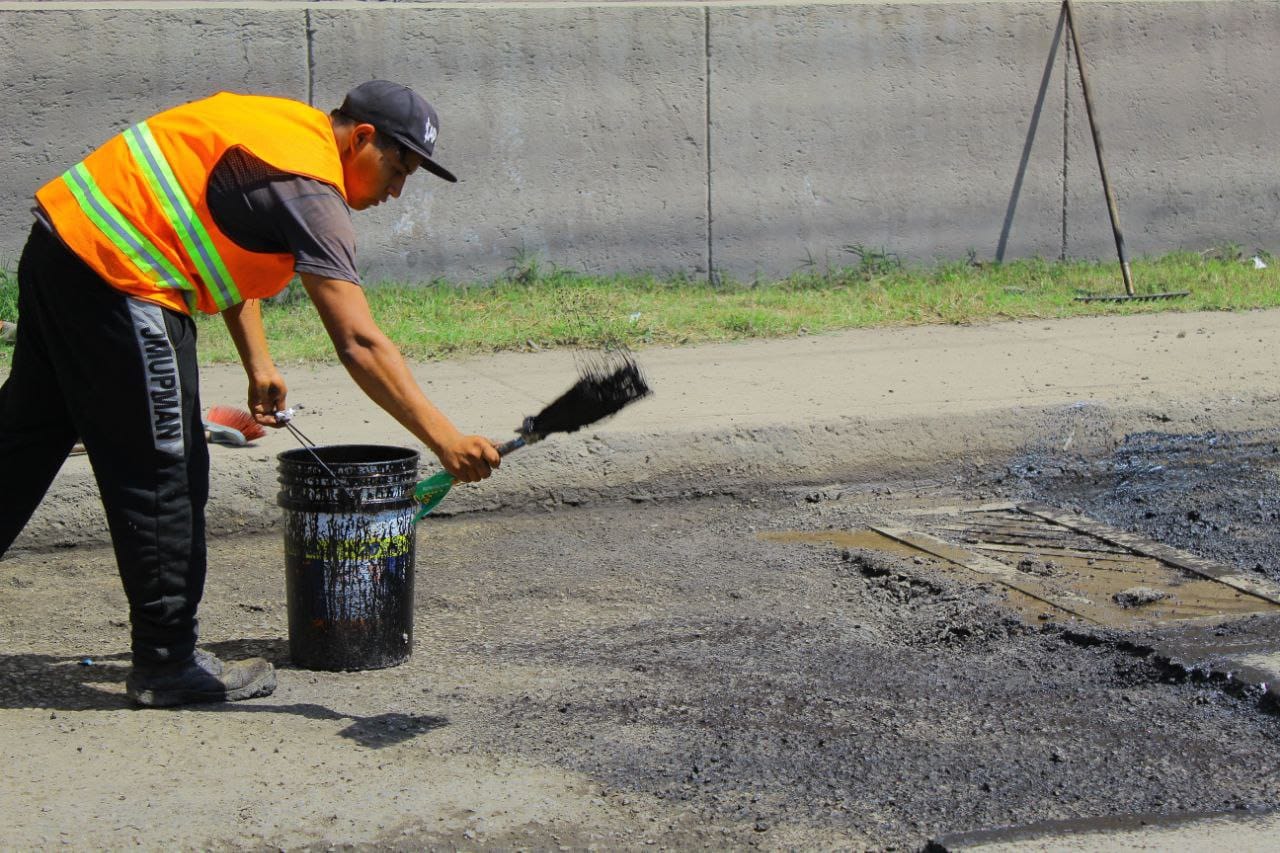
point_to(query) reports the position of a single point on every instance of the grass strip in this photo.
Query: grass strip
(536, 308)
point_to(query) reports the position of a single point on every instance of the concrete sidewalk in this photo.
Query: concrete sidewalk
(876, 374)
(855, 404)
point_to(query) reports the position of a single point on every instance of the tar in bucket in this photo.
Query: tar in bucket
(349, 554)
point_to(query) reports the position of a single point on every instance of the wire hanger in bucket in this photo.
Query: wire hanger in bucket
(286, 418)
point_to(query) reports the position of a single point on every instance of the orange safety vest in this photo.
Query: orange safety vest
(136, 210)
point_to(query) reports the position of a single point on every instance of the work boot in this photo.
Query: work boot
(203, 678)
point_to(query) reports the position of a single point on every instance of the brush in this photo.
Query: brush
(232, 426)
(605, 385)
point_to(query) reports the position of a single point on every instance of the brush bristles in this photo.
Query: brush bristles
(604, 388)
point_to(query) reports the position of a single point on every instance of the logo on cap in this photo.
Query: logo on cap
(429, 134)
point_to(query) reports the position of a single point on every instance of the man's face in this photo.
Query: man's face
(377, 170)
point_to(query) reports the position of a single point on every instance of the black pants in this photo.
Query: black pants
(120, 374)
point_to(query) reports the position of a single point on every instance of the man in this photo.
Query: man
(209, 206)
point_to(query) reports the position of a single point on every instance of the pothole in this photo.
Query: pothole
(1061, 565)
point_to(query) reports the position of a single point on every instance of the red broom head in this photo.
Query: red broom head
(237, 419)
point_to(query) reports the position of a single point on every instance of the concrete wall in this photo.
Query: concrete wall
(747, 139)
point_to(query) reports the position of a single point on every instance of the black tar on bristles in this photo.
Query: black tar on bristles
(604, 387)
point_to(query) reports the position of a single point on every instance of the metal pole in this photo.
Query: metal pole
(1097, 147)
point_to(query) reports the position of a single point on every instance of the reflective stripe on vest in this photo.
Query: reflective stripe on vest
(182, 216)
(129, 240)
(178, 210)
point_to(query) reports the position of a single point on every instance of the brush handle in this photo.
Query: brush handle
(514, 444)
(522, 439)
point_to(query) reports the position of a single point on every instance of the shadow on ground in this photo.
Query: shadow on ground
(61, 683)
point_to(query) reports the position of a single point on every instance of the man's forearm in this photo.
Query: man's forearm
(244, 323)
(267, 391)
(375, 363)
(377, 366)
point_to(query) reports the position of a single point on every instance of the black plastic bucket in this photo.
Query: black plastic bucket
(349, 555)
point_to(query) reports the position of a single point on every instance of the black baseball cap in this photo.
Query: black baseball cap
(402, 114)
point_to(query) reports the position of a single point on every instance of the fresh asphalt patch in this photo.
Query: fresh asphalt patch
(876, 696)
(1213, 493)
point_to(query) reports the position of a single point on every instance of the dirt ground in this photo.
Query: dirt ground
(623, 674)
(625, 641)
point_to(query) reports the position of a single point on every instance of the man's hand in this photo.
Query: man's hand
(267, 394)
(470, 458)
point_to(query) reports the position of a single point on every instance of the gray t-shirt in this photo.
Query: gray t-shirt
(265, 210)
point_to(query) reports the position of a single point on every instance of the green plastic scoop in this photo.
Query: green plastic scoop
(429, 492)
